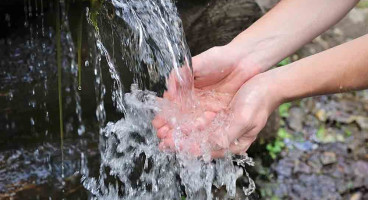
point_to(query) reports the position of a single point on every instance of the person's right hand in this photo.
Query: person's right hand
(223, 69)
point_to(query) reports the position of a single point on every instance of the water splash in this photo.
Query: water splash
(152, 43)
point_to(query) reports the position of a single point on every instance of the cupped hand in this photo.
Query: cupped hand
(250, 108)
(218, 75)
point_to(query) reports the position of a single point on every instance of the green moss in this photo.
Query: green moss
(95, 6)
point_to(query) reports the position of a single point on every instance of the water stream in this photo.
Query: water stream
(132, 43)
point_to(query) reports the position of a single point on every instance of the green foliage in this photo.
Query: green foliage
(284, 62)
(275, 147)
(282, 133)
(284, 109)
(278, 144)
(183, 198)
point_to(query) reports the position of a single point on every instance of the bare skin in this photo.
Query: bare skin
(340, 69)
(229, 69)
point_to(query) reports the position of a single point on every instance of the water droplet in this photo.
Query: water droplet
(86, 63)
(81, 130)
(32, 121)
(79, 88)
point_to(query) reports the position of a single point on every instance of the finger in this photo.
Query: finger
(238, 147)
(158, 122)
(218, 153)
(197, 64)
(163, 132)
(241, 146)
(203, 121)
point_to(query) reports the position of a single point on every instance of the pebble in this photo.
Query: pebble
(321, 115)
(328, 158)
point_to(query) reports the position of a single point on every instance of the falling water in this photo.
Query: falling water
(132, 167)
(133, 44)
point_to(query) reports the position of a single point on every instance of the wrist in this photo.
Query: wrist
(272, 88)
(253, 51)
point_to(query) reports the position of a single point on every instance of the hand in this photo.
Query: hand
(249, 110)
(223, 69)
(218, 74)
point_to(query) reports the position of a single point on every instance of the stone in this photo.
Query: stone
(296, 118)
(284, 167)
(311, 121)
(362, 122)
(328, 158)
(315, 163)
(361, 168)
(302, 168)
(321, 115)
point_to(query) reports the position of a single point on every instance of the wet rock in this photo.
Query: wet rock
(296, 118)
(328, 158)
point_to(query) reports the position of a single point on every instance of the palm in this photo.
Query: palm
(216, 81)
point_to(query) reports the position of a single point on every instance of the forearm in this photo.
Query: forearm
(287, 27)
(340, 69)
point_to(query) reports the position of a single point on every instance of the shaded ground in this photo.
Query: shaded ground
(321, 149)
